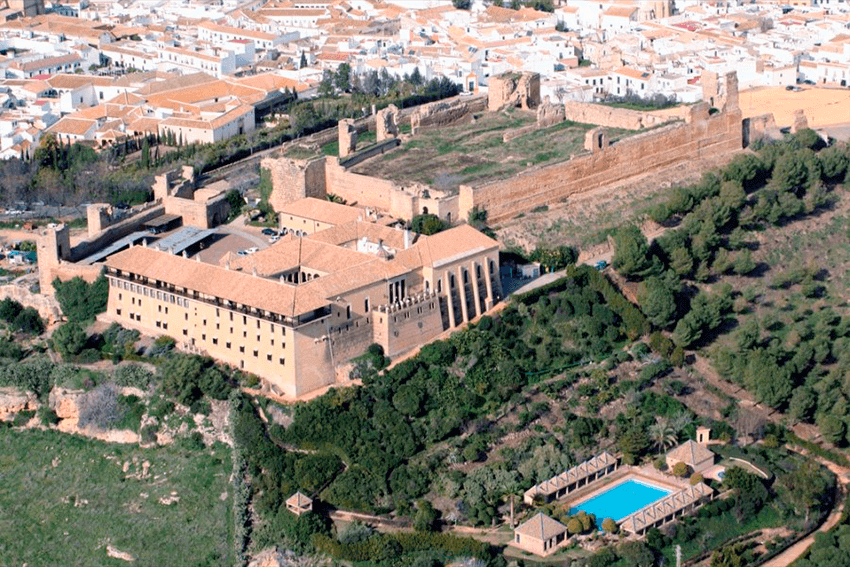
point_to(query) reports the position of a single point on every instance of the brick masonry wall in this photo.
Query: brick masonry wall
(703, 135)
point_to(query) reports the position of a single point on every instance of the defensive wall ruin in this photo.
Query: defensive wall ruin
(611, 117)
(700, 135)
(703, 132)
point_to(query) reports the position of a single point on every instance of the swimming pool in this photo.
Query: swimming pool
(621, 500)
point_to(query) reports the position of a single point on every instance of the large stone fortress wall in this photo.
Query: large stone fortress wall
(700, 135)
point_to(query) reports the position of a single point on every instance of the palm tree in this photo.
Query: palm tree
(662, 435)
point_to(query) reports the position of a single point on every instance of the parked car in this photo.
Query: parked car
(274, 238)
(252, 250)
(269, 232)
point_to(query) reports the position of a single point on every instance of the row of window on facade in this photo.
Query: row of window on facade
(180, 301)
(164, 326)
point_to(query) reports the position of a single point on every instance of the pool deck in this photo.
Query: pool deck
(621, 475)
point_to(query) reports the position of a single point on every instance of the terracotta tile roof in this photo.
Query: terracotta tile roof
(34, 86)
(270, 81)
(454, 242)
(126, 98)
(202, 123)
(287, 13)
(75, 126)
(541, 527)
(322, 210)
(142, 125)
(299, 500)
(175, 82)
(690, 452)
(230, 285)
(633, 73)
(48, 62)
(67, 81)
(620, 11)
(292, 252)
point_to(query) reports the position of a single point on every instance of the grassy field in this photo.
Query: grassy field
(473, 153)
(64, 498)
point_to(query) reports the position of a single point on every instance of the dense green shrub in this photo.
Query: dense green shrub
(134, 375)
(69, 340)
(81, 301)
(21, 319)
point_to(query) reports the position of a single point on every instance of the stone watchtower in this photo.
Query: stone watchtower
(720, 93)
(347, 137)
(52, 246)
(513, 89)
(98, 215)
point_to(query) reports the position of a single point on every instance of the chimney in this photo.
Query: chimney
(406, 238)
(185, 254)
(227, 265)
(254, 271)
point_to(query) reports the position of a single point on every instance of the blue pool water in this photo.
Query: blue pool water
(621, 500)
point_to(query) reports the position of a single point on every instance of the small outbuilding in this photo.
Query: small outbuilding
(540, 535)
(299, 503)
(696, 456)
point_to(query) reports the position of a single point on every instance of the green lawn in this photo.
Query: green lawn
(64, 498)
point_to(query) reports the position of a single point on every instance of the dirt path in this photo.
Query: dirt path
(386, 525)
(797, 550)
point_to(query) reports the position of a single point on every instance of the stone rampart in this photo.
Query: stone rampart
(364, 190)
(610, 117)
(761, 127)
(114, 232)
(66, 271)
(371, 151)
(701, 135)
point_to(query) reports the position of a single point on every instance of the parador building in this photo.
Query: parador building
(294, 312)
